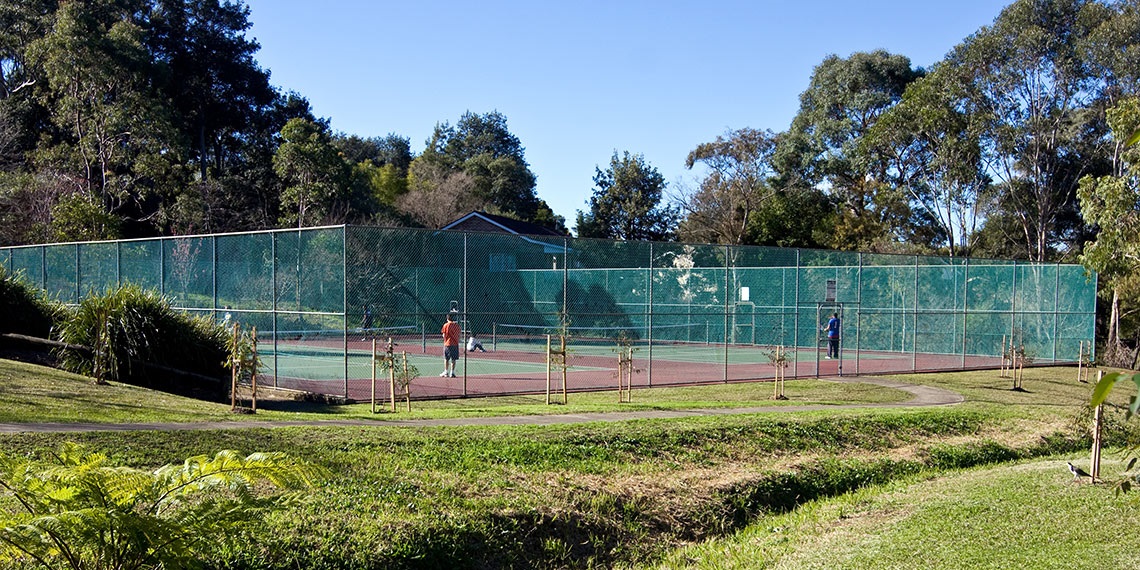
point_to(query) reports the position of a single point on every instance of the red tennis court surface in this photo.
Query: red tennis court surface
(594, 372)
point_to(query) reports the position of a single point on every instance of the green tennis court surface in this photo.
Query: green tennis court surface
(522, 357)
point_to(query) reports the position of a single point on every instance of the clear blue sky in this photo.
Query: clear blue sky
(579, 80)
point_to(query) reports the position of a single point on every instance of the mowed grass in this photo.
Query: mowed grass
(635, 493)
(35, 394)
(1028, 515)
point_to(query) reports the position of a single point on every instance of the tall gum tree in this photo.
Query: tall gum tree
(1112, 205)
(843, 101)
(1028, 77)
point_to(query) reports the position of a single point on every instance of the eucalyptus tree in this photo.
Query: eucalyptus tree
(844, 100)
(627, 202)
(110, 126)
(316, 177)
(1111, 204)
(931, 141)
(736, 184)
(1029, 78)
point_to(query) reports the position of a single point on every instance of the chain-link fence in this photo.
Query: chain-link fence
(691, 313)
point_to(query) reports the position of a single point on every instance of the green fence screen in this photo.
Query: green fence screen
(692, 313)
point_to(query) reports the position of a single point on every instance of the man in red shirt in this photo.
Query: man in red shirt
(450, 333)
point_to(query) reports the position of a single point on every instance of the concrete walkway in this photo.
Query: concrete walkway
(923, 396)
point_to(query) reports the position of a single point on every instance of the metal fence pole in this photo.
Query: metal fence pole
(77, 271)
(344, 298)
(914, 328)
(162, 267)
(465, 316)
(649, 312)
(726, 295)
(858, 314)
(1013, 304)
(214, 248)
(965, 310)
(273, 300)
(796, 322)
(1056, 307)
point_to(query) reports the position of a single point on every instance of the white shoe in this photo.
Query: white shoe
(443, 374)
(452, 375)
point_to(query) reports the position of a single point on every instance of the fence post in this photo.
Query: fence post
(726, 296)
(344, 298)
(1056, 307)
(466, 324)
(965, 309)
(273, 301)
(649, 312)
(914, 320)
(796, 322)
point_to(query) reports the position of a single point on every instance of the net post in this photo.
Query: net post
(494, 337)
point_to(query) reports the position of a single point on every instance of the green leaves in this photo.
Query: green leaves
(1133, 138)
(1105, 385)
(77, 511)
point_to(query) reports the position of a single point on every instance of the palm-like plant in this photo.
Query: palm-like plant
(132, 324)
(79, 512)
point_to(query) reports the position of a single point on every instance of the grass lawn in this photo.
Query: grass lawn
(1025, 515)
(852, 488)
(34, 394)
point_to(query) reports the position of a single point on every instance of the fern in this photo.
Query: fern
(77, 511)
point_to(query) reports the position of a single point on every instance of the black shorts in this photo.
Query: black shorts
(451, 352)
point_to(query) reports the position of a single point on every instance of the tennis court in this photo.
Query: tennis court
(692, 313)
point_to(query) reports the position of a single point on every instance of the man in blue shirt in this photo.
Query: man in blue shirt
(832, 329)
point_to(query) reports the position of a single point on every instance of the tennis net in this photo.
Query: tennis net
(659, 335)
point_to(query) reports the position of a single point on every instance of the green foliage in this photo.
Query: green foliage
(241, 353)
(317, 177)
(131, 324)
(498, 178)
(77, 511)
(81, 217)
(25, 311)
(845, 99)
(626, 203)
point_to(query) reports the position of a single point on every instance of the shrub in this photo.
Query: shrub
(129, 326)
(25, 311)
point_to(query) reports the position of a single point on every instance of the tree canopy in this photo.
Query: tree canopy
(627, 202)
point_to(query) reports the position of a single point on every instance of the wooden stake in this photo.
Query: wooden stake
(408, 386)
(1004, 354)
(234, 374)
(549, 356)
(629, 376)
(374, 375)
(390, 358)
(563, 355)
(1080, 360)
(253, 373)
(1098, 424)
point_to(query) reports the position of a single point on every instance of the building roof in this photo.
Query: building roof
(484, 222)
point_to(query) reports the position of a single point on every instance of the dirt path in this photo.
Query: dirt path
(923, 396)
